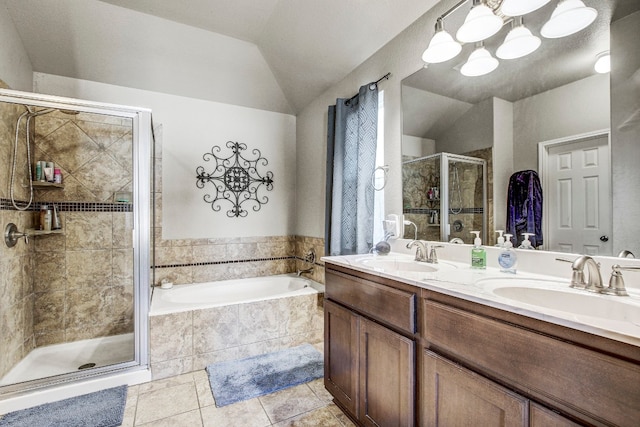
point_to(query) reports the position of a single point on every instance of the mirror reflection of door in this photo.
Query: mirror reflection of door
(578, 189)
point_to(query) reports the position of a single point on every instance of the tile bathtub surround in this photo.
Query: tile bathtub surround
(184, 261)
(187, 400)
(187, 341)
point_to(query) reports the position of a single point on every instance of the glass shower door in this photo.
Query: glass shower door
(464, 195)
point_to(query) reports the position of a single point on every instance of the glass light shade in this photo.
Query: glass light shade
(518, 43)
(603, 63)
(442, 47)
(521, 7)
(480, 24)
(569, 17)
(480, 62)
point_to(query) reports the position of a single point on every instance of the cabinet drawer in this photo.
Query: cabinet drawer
(576, 379)
(392, 306)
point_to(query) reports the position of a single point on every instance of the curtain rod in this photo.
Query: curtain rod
(386, 76)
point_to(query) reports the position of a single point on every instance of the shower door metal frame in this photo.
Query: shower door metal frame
(141, 153)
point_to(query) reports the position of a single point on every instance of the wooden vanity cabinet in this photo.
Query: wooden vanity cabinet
(588, 379)
(369, 355)
(398, 355)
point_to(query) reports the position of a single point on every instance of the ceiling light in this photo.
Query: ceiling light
(519, 42)
(480, 62)
(481, 23)
(520, 7)
(603, 62)
(442, 46)
(569, 17)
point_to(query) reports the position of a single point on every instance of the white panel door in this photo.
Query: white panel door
(579, 211)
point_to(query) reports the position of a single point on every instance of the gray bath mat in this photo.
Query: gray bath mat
(243, 379)
(104, 408)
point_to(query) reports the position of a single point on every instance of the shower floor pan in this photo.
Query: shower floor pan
(64, 358)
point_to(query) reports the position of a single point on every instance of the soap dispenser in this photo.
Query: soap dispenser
(508, 258)
(478, 254)
(526, 243)
(500, 238)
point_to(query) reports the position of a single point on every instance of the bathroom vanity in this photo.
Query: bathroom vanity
(409, 344)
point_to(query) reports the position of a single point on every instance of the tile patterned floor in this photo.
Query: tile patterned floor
(186, 401)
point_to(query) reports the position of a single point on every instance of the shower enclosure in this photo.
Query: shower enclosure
(74, 296)
(445, 196)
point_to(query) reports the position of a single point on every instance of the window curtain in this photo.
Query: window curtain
(351, 154)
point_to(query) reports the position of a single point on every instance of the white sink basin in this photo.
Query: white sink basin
(393, 265)
(403, 266)
(558, 296)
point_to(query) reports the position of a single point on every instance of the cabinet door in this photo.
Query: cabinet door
(341, 355)
(454, 396)
(543, 417)
(387, 377)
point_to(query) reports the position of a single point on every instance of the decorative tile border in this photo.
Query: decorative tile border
(428, 211)
(5, 204)
(237, 261)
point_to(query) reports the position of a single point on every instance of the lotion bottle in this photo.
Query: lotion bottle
(478, 254)
(508, 257)
(500, 238)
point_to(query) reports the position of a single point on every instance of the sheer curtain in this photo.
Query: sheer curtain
(351, 156)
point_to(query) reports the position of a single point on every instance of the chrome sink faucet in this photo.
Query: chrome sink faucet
(421, 252)
(577, 277)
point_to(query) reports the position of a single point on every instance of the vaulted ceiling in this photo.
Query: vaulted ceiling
(308, 45)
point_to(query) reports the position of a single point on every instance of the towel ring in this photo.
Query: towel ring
(385, 171)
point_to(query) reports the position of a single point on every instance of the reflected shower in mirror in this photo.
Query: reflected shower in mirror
(552, 98)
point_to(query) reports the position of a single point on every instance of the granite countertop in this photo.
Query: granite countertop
(613, 317)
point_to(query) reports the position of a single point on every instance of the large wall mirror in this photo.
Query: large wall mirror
(541, 112)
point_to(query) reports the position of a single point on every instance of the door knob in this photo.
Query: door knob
(604, 238)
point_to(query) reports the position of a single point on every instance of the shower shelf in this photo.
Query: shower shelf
(32, 232)
(42, 185)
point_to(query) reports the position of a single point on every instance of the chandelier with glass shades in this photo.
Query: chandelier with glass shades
(482, 22)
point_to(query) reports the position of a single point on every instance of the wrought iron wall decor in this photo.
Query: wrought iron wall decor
(235, 179)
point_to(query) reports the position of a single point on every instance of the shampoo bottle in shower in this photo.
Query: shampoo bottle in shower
(478, 254)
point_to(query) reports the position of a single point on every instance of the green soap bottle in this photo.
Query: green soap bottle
(478, 254)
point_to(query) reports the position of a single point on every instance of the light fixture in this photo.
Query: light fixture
(480, 24)
(569, 17)
(603, 62)
(480, 62)
(486, 19)
(520, 7)
(519, 42)
(442, 46)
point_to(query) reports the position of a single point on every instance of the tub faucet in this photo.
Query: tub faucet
(306, 270)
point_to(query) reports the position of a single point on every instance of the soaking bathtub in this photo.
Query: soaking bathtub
(194, 325)
(228, 292)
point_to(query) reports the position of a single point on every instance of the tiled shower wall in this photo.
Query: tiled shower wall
(83, 278)
(16, 286)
